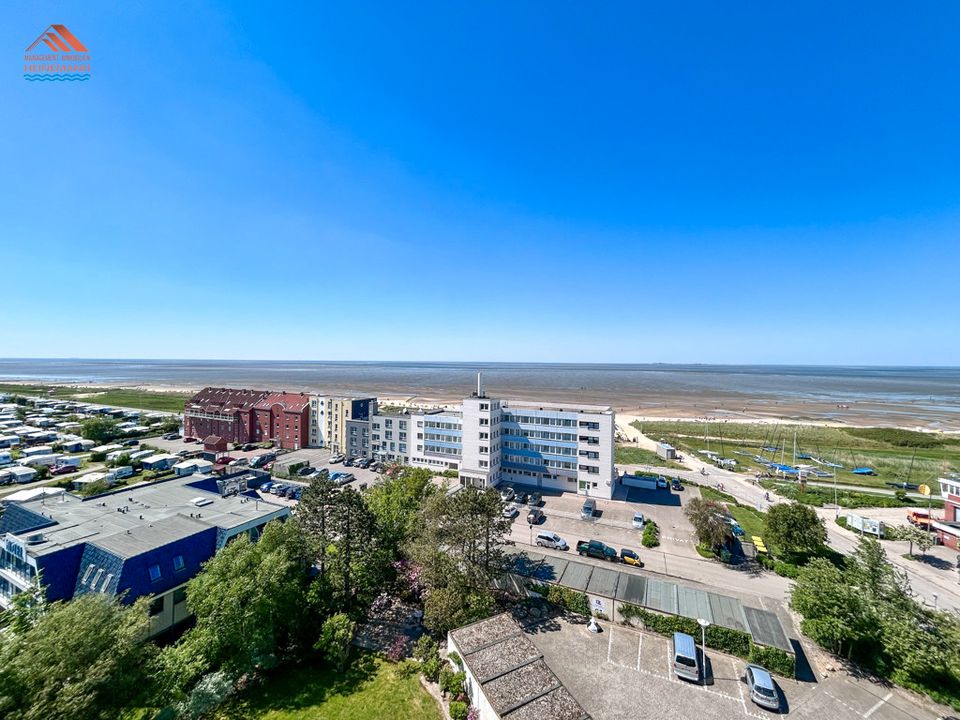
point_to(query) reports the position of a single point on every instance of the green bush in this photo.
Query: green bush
(443, 680)
(426, 649)
(651, 535)
(98, 457)
(774, 660)
(431, 668)
(455, 658)
(458, 710)
(785, 569)
(575, 602)
(720, 638)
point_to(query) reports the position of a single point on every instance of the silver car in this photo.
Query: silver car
(763, 691)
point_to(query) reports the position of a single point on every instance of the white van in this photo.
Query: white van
(686, 665)
(545, 538)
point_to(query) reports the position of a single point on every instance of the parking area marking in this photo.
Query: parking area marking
(880, 703)
(846, 705)
(639, 650)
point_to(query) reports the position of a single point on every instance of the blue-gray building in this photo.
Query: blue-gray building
(129, 543)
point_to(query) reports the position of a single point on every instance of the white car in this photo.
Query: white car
(506, 493)
(661, 483)
(639, 521)
(510, 511)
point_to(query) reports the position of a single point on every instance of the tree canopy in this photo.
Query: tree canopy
(709, 522)
(796, 528)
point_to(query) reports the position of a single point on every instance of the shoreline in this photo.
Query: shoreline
(714, 408)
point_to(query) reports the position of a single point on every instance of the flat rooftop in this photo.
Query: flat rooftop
(156, 513)
(557, 407)
(514, 678)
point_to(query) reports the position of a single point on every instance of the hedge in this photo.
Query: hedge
(732, 642)
(651, 535)
(575, 602)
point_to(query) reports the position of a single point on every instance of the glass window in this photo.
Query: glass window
(154, 573)
(156, 607)
(178, 563)
(179, 595)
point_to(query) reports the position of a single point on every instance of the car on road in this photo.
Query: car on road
(510, 511)
(904, 485)
(596, 549)
(534, 500)
(676, 484)
(588, 509)
(639, 520)
(661, 483)
(546, 538)
(630, 557)
(334, 459)
(763, 691)
(506, 493)
(535, 516)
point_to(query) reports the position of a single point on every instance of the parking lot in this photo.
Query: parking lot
(622, 674)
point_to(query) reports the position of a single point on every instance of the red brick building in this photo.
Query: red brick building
(949, 527)
(241, 416)
(284, 418)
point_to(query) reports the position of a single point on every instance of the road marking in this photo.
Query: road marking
(639, 649)
(876, 707)
(609, 644)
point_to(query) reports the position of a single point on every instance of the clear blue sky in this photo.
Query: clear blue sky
(708, 182)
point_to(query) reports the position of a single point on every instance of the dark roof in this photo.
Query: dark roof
(224, 400)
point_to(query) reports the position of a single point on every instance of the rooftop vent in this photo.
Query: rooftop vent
(202, 501)
(36, 539)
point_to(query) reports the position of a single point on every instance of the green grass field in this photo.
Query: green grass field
(629, 455)
(370, 688)
(888, 451)
(138, 399)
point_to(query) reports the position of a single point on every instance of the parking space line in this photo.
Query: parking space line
(878, 705)
(609, 643)
(639, 648)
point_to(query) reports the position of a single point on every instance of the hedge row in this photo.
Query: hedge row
(651, 535)
(575, 602)
(733, 642)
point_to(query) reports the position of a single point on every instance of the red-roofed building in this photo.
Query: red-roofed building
(225, 412)
(283, 418)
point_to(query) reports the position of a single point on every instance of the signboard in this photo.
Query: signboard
(924, 490)
(15, 546)
(864, 525)
(599, 605)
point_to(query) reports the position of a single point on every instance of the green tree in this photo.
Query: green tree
(335, 638)
(914, 535)
(99, 429)
(249, 603)
(395, 503)
(80, 659)
(796, 528)
(316, 514)
(709, 522)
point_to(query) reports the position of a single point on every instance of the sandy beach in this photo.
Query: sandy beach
(712, 407)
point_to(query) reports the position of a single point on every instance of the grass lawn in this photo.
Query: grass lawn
(752, 521)
(138, 399)
(895, 455)
(370, 688)
(630, 455)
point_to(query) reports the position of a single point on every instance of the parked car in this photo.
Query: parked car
(338, 458)
(247, 447)
(763, 691)
(904, 485)
(225, 460)
(596, 549)
(297, 493)
(661, 483)
(345, 478)
(265, 488)
(64, 469)
(676, 484)
(506, 493)
(639, 520)
(304, 471)
(131, 442)
(630, 557)
(238, 462)
(171, 436)
(365, 463)
(545, 538)
(349, 462)
(535, 516)
(534, 500)
(510, 511)
(190, 440)
(521, 498)
(268, 466)
(686, 661)
(588, 509)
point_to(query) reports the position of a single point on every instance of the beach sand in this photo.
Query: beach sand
(715, 407)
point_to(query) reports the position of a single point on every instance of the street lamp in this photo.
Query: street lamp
(934, 600)
(704, 624)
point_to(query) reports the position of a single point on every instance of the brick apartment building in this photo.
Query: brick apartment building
(241, 416)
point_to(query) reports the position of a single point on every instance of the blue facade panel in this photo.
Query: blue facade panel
(58, 572)
(195, 550)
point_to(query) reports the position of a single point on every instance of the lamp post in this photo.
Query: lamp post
(934, 600)
(704, 624)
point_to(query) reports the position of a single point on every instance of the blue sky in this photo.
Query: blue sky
(714, 182)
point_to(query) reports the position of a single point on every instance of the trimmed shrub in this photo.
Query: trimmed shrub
(651, 535)
(455, 658)
(431, 668)
(774, 660)
(723, 639)
(425, 649)
(458, 710)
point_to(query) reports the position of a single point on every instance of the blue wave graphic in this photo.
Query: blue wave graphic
(71, 77)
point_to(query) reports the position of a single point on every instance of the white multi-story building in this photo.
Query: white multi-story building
(560, 446)
(329, 415)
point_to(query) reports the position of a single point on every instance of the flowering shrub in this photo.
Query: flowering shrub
(397, 650)
(409, 579)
